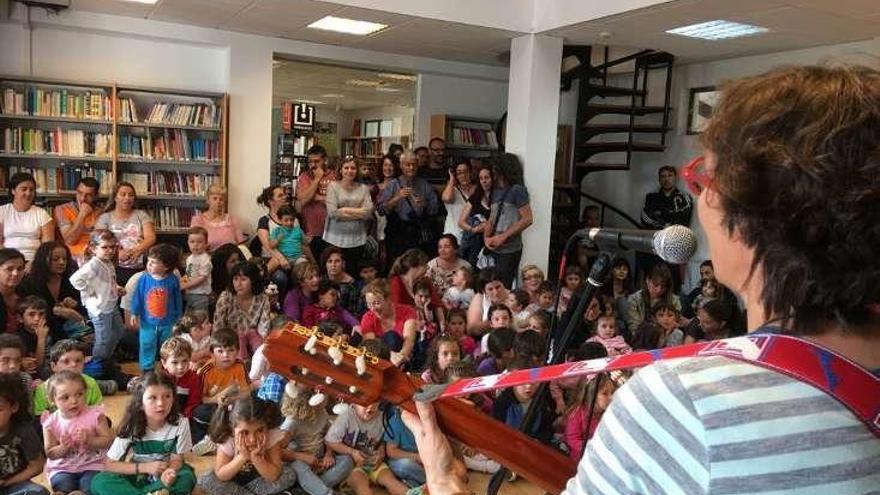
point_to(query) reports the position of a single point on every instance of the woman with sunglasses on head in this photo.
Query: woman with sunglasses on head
(787, 198)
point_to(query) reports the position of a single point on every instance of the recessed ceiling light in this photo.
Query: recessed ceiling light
(363, 82)
(718, 30)
(397, 77)
(347, 26)
(142, 1)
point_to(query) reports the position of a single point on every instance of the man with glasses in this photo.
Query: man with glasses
(437, 171)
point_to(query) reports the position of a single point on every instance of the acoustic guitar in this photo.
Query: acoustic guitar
(331, 366)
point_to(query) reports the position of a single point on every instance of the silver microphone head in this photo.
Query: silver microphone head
(675, 244)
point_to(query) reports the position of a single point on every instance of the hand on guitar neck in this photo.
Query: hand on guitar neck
(331, 366)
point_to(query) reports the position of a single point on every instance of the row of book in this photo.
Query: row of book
(92, 105)
(195, 115)
(65, 142)
(473, 136)
(293, 144)
(170, 182)
(63, 178)
(170, 145)
(365, 147)
(171, 217)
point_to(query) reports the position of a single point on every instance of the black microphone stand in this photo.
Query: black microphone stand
(558, 344)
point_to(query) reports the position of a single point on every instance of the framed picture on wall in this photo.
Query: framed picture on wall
(700, 107)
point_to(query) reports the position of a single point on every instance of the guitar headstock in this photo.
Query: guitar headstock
(327, 364)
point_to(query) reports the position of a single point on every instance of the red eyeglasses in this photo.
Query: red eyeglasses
(694, 174)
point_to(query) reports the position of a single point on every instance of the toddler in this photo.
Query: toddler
(460, 293)
(500, 346)
(195, 328)
(358, 433)
(289, 239)
(444, 350)
(539, 322)
(96, 281)
(456, 326)
(518, 301)
(175, 356)
(157, 303)
(606, 334)
(661, 331)
(500, 316)
(269, 385)
(544, 299)
(75, 436)
(196, 282)
(428, 325)
(318, 469)
(580, 424)
(67, 355)
(249, 445)
(574, 280)
(327, 309)
(23, 457)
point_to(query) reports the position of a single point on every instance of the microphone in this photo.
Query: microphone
(674, 244)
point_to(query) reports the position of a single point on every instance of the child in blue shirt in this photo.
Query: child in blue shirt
(157, 303)
(400, 447)
(289, 238)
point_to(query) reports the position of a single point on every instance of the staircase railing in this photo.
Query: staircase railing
(604, 204)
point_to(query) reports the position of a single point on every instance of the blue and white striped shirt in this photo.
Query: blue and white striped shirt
(714, 425)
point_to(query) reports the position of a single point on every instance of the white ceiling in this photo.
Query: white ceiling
(794, 23)
(327, 84)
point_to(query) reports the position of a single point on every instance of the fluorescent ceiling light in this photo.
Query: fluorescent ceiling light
(311, 102)
(397, 77)
(718, 30)
(142, 1)
(347, 26)
(386, 89)
(333, 95)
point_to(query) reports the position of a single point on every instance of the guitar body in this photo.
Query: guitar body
(292, 350)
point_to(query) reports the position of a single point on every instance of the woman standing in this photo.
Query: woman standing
(24, 226)
(349, 211)
(474, 216)
(221, 225)
(273, 197)
(409, 203)
(511, 214)
(388, 171)
(456, 194)
(443, 267)
(11, 271)
(133, 228)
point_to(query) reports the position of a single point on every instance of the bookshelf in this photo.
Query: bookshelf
(371, 149)
(170, 144)
(465, 136)
(297, 136)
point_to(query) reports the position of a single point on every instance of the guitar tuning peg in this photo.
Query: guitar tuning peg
(361, 364)
(291, 390)
(328, 380)
(304, 371)
(317, 399)
(310, 344)
(352, 389)
(335, 354)
(339, 408)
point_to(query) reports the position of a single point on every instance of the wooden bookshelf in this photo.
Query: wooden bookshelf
(465, 136)
(371, 148)
(174, 142)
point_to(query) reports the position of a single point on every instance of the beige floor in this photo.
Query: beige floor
(115, 407)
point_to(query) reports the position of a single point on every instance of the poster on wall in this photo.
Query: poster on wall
(700, 107)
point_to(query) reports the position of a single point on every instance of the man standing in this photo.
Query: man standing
(663, 208)
(311, 191)
(668, 206)
(76, 219)
(437, 171)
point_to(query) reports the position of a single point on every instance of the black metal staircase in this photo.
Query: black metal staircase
(614, 121)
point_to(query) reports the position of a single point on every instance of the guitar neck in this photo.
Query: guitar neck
(541, 464)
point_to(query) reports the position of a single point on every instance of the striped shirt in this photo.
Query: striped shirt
(720, 426)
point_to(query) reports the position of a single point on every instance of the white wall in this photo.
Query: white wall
(91, 46)
(456, 96)
(627, 189)
(402, 118)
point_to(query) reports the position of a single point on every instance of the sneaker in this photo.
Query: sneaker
(204, 447)
(107, 387)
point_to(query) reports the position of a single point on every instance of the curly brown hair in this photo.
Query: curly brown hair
(798, 178)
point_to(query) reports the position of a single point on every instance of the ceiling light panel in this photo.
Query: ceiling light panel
(347, 26)
(149, 2)
(718, 30)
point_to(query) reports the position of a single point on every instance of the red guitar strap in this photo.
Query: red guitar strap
(853, 386)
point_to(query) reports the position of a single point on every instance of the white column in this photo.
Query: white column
(532, 117)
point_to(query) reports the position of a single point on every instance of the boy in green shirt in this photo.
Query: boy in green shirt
(66, 355)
